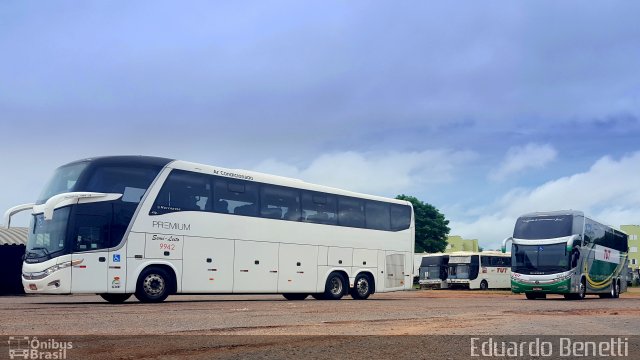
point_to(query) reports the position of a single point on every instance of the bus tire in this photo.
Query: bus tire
(115, 298)
(582, 292)
(616, 289)
(534, 296)
(295, 296)
(335, 287)
(154, 285)
(362, 287)
(484, 285)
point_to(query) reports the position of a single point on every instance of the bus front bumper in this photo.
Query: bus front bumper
(58, 282)
(557, 287)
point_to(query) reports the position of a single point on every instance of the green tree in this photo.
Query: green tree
(431, 226)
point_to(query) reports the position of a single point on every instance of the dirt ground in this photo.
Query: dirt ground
(314, 324)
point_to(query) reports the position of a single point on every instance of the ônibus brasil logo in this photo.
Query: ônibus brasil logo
(25, 347)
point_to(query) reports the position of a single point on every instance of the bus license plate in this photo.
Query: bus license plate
(537, 289)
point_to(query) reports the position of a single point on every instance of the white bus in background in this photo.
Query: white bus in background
(124, 225)
(565, 252)
(434, 269)
(479, 270)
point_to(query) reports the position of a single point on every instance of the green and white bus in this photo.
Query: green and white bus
(565, 252)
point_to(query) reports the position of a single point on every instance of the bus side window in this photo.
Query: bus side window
(377, 215)
(400, 217)
(279, 203)
(485, 261)
(235, 197)
(183, 191)
(93, 234)
(351, 212)
(319, 208)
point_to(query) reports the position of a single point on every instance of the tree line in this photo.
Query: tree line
(431, 226)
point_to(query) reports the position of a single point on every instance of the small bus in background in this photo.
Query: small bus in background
(565, 252)
(433, 271)
(479, 270)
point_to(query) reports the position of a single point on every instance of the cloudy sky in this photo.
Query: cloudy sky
(486, 110)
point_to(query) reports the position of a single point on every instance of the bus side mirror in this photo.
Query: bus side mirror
(575, 256)
(504, 244)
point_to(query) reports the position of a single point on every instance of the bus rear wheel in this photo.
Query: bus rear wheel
(115, 298)
(294, 297)
(614, 291)
(335, 287)
(362, 287)
(154, 285)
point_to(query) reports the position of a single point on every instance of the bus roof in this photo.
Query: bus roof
(554, 213)
(274, 179)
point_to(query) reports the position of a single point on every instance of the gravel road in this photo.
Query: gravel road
(314, 324)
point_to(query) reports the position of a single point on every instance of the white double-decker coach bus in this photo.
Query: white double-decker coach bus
(565, 252)
(152, 227)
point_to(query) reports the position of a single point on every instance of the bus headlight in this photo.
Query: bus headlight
(564, 277)
(50, 270)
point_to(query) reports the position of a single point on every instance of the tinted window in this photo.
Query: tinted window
(485, 261)
(47, 236)
(350, 212)
(543, 227)
(131, 182)
(400, 217)
(183, 191)
(319, 208)
(539, 258)
(593, 232)
(615, 240)
(434, 260)
(235, 197)
(378, 215)
(279, 203)
(93, 227)
(64, 180)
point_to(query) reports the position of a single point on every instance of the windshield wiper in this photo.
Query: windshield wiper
(45, 251)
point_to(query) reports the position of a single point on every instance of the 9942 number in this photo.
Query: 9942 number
(164, 246)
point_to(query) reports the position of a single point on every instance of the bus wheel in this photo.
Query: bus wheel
(484, 285)
(115, 298)
(153, 285)
(293, 297)
(616, 289)
(362, 287)
(335, 287)
(533, 296)
(582, 291)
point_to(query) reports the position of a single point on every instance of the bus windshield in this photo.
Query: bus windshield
(540, 259)
(47, 237)
(459, 271)
(64, 180)
(543, 227)
(433, 271)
